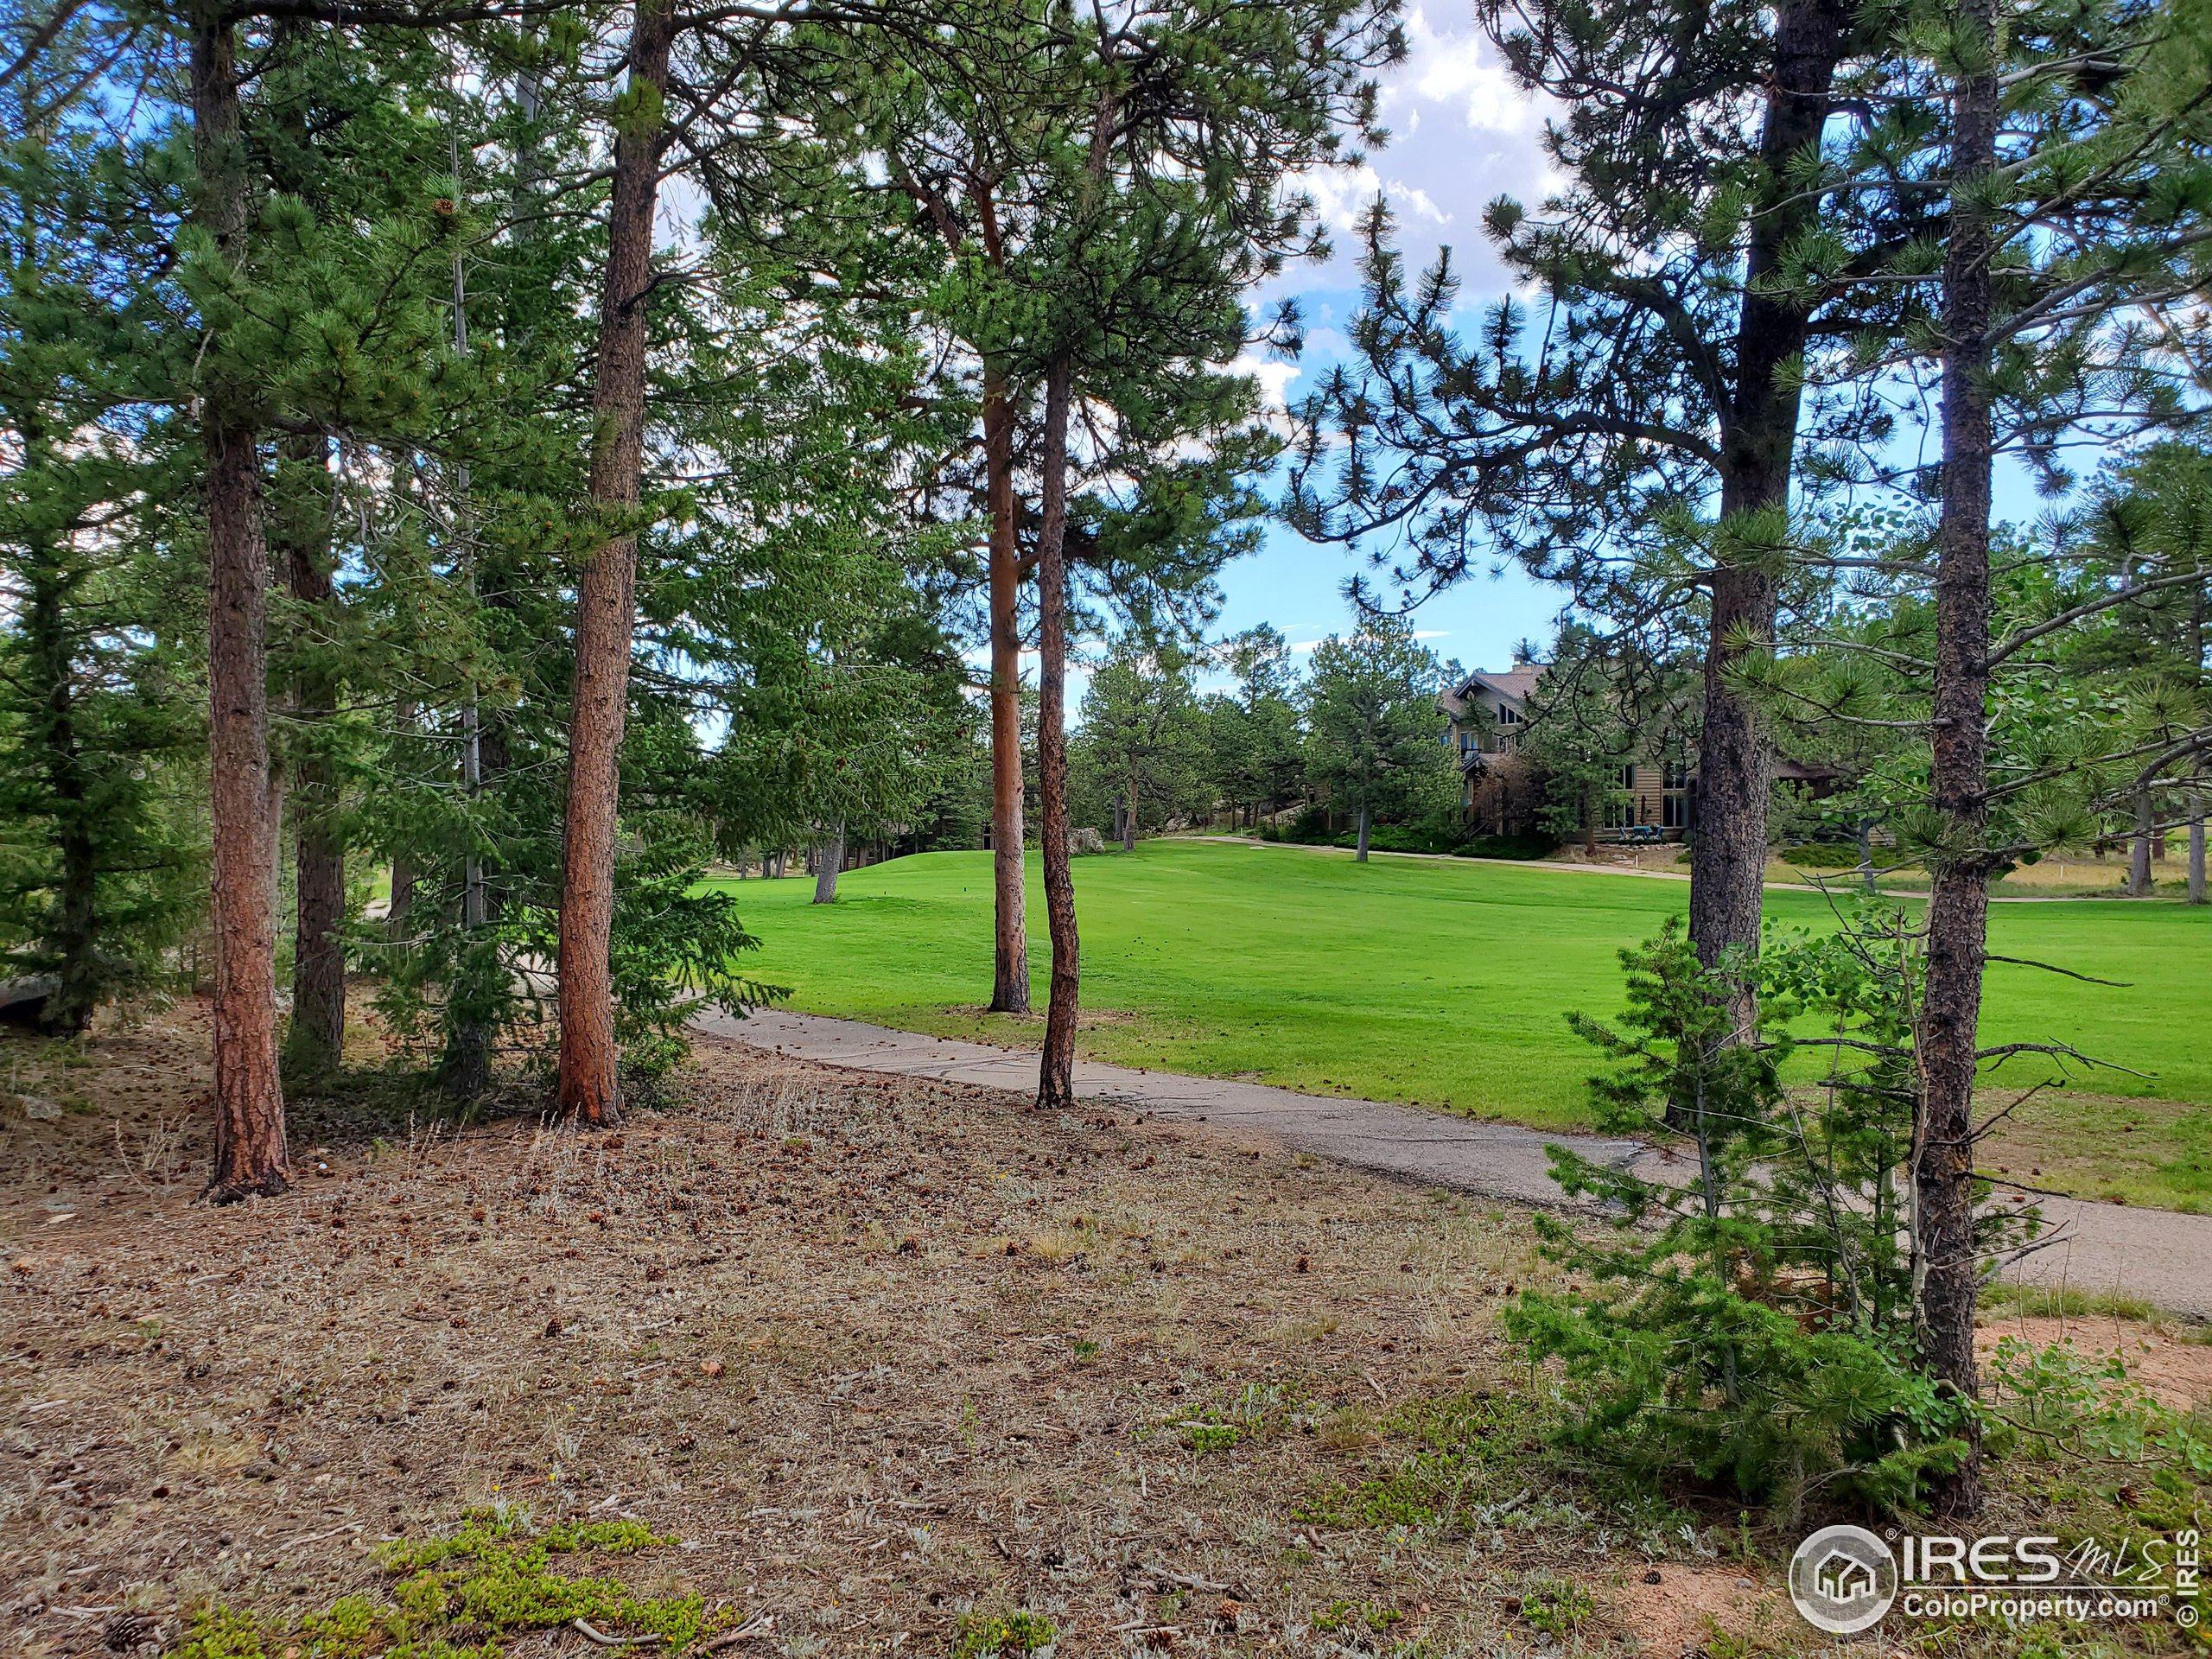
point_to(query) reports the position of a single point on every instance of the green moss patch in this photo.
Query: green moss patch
(462, 1595)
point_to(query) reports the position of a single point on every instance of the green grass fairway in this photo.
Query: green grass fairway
(1443, 983)
(1413, 979)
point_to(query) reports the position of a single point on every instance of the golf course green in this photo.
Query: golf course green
(1436, 982)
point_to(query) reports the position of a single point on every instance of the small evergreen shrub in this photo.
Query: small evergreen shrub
(1752, 1328)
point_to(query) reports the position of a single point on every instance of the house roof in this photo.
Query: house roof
(1518, 683)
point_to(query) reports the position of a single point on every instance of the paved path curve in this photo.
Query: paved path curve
(2153, 1254)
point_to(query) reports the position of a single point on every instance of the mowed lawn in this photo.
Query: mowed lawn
(1432, 981)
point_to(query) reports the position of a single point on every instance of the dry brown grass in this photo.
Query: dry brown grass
(880, 1352)
(883, 1353)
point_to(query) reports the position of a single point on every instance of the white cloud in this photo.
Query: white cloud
(1342, 195)
(1407, 197)
(1461, 135)
(1274, 375)
(1456, 66)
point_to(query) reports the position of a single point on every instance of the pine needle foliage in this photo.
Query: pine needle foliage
(1751, 1330)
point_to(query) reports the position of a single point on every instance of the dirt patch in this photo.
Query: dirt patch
(1676, 1611)
(2177, 1373)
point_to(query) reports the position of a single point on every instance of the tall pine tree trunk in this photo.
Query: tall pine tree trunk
(316, 1041)
(299, 534)
(1759, 437)
(1728, 855)
(2197, 849)
(590, 1089)
(1958, 907)
(401, 904)
(1129, 812)
(831, 860)
(1056, 1075)
(1360, 855)
(2139, 849)
(250, 1156)
(1010, 952)
(468, 1066)
(72, 936)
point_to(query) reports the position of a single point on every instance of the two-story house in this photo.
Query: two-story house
(1489, 710)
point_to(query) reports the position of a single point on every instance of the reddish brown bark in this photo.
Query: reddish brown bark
(250, 1156)
(1056, 1074)
(590, 1087)
(1958, 905)
(1010, 955)
(316, 1041)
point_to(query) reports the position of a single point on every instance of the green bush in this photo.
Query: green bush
(989, 1635)
(1399, 838)
(1507, 847)
(1822, 855)
(1754, 1327)
(2061, 1402)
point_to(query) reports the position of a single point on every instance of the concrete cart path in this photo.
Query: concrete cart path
(2158, 1255)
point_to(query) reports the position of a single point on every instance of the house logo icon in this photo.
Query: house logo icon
(1843, 1579)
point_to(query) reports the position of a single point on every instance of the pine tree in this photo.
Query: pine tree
(1579, 737)
(2071, 211)
(96, 736)
(1257, 745)
(1635, 437)
(251, 1156)
(2150, 535)
(1137, 752)
(1375, 743)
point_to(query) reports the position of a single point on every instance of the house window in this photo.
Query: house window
(1674, 809)
(1677, 775)
(1507, 715)
(1628, 777)
(1620, 815)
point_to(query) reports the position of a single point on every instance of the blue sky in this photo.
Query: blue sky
(1459, 135)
